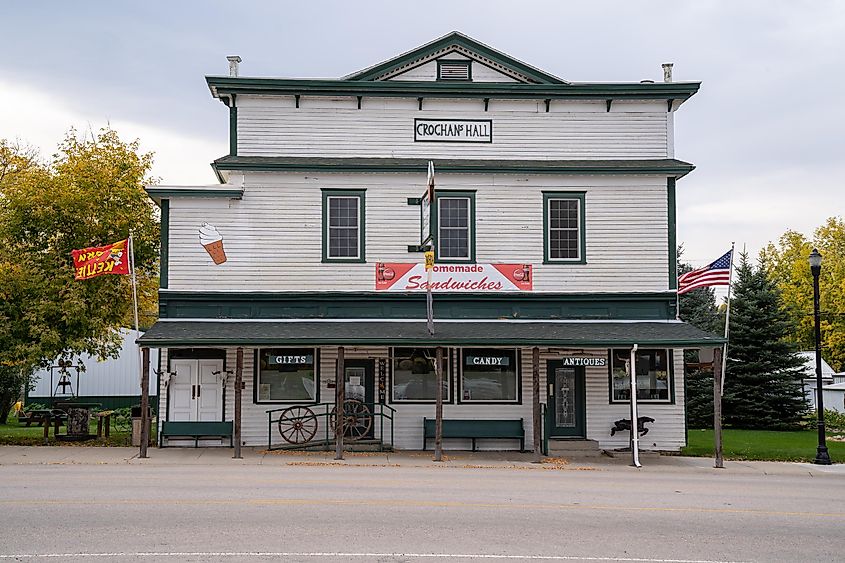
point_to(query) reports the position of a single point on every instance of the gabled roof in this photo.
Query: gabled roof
(456, 42)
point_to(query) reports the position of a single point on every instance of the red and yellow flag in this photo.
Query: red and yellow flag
(101, 260)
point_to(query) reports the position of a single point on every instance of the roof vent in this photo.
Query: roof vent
(233, 65)
(454, 70)
(646, 81)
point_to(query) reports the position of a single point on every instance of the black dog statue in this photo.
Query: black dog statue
(625, 425)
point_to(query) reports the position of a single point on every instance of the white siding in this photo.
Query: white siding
(323, 127)
(112, 377)
(666, 433)
(273, 236)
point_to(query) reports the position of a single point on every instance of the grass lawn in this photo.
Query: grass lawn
(762, 445)
(14, 434)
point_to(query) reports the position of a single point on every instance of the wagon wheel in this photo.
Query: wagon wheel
(297, 425)
(357, 419)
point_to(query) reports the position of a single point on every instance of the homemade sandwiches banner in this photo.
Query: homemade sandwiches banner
(478, 278)
(101, 260)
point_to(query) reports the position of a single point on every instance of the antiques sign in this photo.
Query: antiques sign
(585, 361)
(453, 130)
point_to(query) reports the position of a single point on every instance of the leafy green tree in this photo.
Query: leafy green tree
(698, 307)
(762, 382)
(90, 194)
(786, 264)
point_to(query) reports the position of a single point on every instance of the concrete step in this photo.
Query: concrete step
(569, 447)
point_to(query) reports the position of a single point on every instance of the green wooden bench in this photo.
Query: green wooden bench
(196, 430)
(477, 429)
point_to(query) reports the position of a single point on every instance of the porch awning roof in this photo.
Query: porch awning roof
(232, 332)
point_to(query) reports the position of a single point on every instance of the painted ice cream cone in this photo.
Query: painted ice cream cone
(213, 243)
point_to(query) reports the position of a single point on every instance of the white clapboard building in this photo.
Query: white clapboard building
(552, 222)
(110, 382)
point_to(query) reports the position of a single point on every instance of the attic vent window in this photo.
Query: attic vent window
(454, 70)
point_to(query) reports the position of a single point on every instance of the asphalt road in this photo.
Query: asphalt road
(316, 512)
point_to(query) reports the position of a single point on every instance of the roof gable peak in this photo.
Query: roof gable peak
(456, 42)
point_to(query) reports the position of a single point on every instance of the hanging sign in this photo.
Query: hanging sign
(463, 278)
(453, 130)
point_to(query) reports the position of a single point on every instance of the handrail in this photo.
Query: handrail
(376, 409)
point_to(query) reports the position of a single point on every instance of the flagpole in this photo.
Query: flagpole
(144, 370)
(134, 280)
(727, 321)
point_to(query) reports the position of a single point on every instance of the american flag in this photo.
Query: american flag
(717, 272)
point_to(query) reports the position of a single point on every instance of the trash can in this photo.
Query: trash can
(136, 425)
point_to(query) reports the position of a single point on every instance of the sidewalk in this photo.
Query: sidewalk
(48, 455)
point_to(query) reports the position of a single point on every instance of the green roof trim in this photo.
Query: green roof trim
(457, 39)
(167, 192)
(471, 333)
(664, 167)
(226, 85)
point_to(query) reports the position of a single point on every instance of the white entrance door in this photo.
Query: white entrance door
(195, 390)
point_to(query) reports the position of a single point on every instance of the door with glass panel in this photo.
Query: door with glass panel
(565, 412)
(359, 393)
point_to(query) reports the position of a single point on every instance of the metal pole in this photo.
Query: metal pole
(717, 407)
(822, 456)
(145, 401)
(535, 384)
(727, 320)
(239, 383)
(438, 407)
(635, 436)
(339, 398)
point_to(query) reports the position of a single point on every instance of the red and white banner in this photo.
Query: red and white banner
(478, 278)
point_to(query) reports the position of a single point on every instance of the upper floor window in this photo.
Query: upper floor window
(343, 225)
(454, 70)
(455, 226)
(563, 224)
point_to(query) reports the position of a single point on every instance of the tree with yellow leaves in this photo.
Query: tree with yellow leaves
(787, 264)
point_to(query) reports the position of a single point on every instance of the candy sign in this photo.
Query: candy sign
(475, 278)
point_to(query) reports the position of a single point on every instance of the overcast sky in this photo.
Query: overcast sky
(765, 131)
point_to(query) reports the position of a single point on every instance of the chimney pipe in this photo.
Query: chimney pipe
(667, 72)
(233, 65)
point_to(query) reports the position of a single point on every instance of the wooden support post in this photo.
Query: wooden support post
(538, 423)
(145, 401)
(46, 422)
(339, 399)
(239, 383)
(717, 407)
(438, 407)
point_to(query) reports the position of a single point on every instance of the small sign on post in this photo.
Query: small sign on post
(429, 260)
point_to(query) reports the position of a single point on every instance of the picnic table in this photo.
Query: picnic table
(39, 416)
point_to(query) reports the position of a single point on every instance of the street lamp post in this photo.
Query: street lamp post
(822, 457)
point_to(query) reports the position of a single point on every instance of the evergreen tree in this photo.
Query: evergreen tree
(698, 308)
(762, 383)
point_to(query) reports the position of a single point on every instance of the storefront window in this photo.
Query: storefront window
(653, 375)
(286, 375)
(489, 374)
(414, 378)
